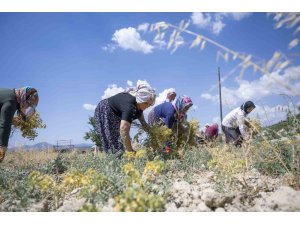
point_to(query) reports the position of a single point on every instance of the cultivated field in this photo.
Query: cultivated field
(263, 175)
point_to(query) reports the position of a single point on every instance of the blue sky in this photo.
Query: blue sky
(73, 58)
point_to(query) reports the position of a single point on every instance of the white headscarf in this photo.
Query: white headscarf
(143, 93)
(170, 92)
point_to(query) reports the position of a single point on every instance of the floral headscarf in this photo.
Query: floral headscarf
(24, 95)
(180, 103)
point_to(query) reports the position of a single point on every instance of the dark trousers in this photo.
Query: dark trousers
(233, 135)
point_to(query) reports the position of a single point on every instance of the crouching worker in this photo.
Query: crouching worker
(211, 132)
(114, 117)
(169, 113)
(233, 125)
(24, 100)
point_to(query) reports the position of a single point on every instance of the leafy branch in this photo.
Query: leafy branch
(277, 62)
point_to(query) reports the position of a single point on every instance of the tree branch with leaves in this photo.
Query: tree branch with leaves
(93, 135)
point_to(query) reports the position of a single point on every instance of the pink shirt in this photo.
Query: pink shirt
(212, 131)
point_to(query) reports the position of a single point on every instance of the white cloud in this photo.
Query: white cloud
(89, 107)
(143, 27)
(214, 21)
(142, 82)
(112, 90)
(270, 115)
(217, 27)
(229, 97)
(258, 89)
(210, 97)
(238, 15)
(207, 21)
(201, 20)
(130, 39)
(162, 96)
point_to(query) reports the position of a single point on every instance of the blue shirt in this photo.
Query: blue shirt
(166, 111)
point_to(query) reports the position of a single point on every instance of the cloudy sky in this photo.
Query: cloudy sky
(77, 59)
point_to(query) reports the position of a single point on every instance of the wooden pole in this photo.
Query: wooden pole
(220, 96)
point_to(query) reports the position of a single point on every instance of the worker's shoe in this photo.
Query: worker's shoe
(2, 153)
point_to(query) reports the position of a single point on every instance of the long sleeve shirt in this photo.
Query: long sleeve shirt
(212, 131)
(235, 119)
(167, 112)
(8, 107)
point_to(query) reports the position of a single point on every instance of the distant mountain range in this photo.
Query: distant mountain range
(45, 146)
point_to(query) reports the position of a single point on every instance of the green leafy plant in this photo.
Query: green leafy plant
(93, 135)
(137, 200)
(29, 127)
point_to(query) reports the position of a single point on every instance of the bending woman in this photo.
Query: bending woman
(168, 113)
(114, 116)
(24, 100)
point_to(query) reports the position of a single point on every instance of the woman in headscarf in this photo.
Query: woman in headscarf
(24, 100)
(114, 117)
(168, 113)
(211, 131)
(234, 122)
(171, 95)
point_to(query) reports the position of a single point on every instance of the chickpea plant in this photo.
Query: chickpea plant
(29, 127)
